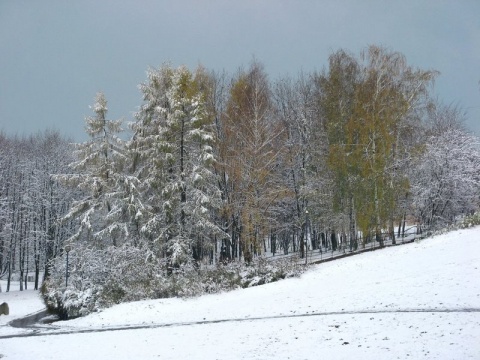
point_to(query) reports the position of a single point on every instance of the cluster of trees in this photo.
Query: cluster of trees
(233, 165)
(32, 205)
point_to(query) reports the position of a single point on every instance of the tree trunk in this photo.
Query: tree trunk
(392, 231)
(273, 245)
(37, 271)
(351, 219)
(9, 277)
(302, 244)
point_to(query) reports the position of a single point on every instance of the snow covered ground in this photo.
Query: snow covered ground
(21, 303)
(416, 301)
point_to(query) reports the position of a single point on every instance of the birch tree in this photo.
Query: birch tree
(337, 89)
(367, 139)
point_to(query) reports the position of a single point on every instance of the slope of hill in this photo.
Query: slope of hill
(420, 300)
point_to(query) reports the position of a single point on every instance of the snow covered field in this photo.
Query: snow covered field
(416, 301)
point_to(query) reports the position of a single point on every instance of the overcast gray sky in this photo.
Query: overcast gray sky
(55, 55)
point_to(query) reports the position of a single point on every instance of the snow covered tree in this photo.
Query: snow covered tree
(31, 204)
(173, 161)
(254, 141)
(302, 168)
(50, 200)
(98, 174)
(445, 178)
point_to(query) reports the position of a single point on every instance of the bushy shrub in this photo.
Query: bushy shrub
(190, 282)
(263, 271)
(471, 220)
(101, 278)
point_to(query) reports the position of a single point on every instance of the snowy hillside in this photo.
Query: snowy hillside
(420, 300)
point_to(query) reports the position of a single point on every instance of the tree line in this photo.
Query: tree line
(227, 167)
(32, 205)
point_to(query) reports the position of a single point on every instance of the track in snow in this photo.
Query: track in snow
(29, 322)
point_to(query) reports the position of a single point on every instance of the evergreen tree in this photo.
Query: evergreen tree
(98, 174)
(173, 161)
